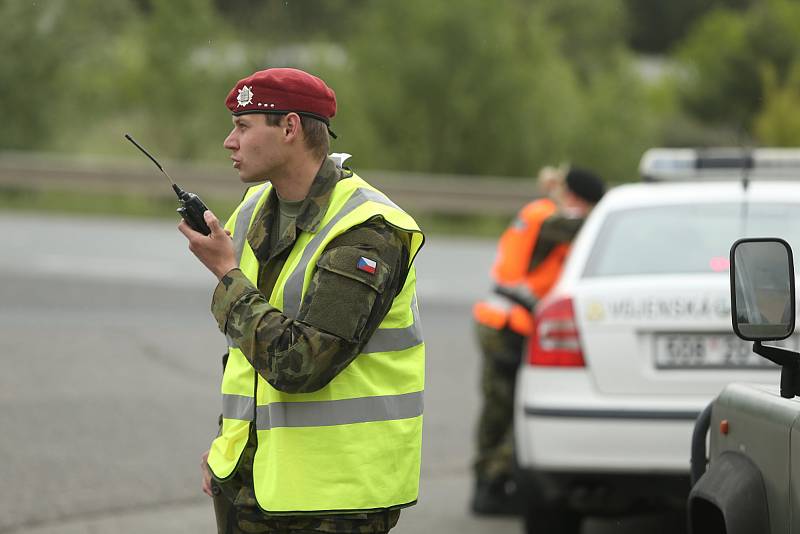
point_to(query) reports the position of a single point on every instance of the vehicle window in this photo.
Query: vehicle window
(694, 238)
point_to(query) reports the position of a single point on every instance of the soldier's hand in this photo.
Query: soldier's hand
(215, 250)
(206, 474)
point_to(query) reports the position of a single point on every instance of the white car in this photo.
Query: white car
(636, 338)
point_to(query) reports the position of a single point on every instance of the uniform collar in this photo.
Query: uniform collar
(309, 218)
(319, 195)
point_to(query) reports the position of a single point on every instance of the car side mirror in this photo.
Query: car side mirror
(762, 289)
(762, 302)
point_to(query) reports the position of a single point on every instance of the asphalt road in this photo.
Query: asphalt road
(111, 372)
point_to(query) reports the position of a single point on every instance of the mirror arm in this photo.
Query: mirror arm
(790, 367)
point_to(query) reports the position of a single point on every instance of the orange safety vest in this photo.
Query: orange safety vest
(512, 266)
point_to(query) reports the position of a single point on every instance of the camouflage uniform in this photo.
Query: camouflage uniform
(502, 351)
(336, 319)
(502, 355)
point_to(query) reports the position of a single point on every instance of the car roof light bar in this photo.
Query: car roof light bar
(718, 164)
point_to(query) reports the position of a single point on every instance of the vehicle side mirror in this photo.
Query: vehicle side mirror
(762, 289)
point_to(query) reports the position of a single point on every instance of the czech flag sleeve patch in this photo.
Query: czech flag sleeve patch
(367, 265)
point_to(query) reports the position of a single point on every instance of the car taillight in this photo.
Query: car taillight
(555, 341)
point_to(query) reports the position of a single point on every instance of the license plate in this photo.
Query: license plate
(712, 351)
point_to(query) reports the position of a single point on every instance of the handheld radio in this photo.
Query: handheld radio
(192, 208)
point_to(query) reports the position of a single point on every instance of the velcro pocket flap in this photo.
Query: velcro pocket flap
(343, 291)
(356, 264)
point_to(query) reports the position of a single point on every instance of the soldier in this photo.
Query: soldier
(323, 380)
(531, 253)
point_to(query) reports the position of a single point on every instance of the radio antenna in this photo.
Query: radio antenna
(178, 190)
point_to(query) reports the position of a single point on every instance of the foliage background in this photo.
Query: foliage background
(469, 87)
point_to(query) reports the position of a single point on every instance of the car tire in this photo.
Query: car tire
(552, 520)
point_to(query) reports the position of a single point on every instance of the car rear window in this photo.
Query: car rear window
(692, 238)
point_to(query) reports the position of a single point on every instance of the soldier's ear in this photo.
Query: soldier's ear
(292, 127)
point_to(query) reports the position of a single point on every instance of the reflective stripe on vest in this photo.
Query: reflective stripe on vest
(323, 413)
(243, 221)
(395, 339)
(243, 217)
(362, 430)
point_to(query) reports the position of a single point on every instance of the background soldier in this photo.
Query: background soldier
(531, 253)
(322, 390)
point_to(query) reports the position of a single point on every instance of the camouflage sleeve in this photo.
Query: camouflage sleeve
(555, 230)
(340, 310)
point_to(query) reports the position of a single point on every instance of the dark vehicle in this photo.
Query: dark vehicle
(752, 482)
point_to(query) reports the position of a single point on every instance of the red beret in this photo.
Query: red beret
(281, 91)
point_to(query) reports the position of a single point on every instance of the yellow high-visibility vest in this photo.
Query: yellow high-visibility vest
(354, 445)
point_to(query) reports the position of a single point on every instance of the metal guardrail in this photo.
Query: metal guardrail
(415, 192)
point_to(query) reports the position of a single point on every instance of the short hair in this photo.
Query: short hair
(315, 132)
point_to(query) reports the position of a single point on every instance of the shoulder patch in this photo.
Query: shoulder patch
(367, 265)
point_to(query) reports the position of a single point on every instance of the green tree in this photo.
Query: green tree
(590, 34)
(182, 93)
(778, 122)
(616, 114)
(163, 76)
(656, 26)
(455, 90)
(726, 54)
(472, 88)
(42, 43)
(618, 122)
(280, 21)
(483, 89)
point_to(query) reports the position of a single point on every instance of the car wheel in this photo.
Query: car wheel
(552, 520)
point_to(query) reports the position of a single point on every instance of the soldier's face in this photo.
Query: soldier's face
(256, 148)
(575, 205)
